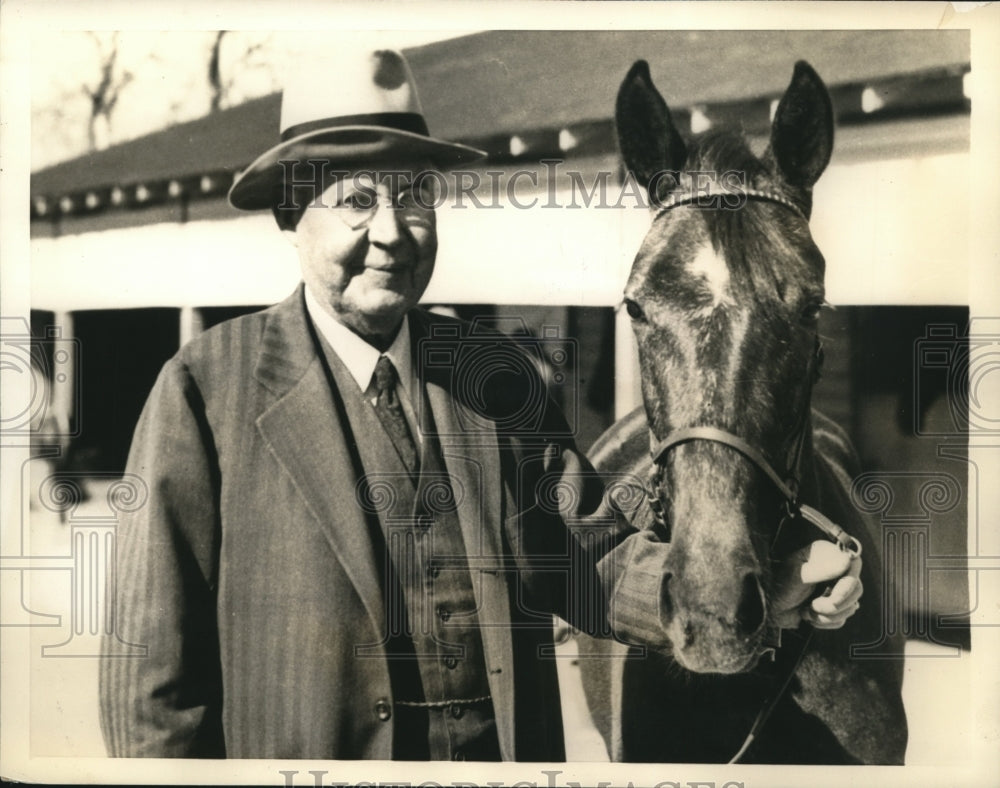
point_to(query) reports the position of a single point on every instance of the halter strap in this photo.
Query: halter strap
(844, 540)
(787, 486)
(689, 197)
(721, 436)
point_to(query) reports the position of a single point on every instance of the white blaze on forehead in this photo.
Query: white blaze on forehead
(711, 267)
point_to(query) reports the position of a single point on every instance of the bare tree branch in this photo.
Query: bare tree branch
(216, 86)
(104, 96)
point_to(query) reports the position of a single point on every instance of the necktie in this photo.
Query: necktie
(390, 413)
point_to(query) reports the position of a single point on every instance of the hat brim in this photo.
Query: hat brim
(261, 183)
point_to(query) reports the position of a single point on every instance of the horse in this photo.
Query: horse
(736, 468)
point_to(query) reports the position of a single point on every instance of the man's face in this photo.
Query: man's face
(367, 245)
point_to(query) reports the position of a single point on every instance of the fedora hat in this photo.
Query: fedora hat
(348, 107)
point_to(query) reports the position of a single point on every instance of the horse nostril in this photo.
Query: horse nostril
(751, 613)
(666, 604)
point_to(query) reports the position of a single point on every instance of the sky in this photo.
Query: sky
(168, 81)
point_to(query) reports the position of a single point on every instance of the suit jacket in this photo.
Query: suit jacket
(251, 574)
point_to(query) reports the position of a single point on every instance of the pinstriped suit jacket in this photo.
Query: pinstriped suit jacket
(251, 579)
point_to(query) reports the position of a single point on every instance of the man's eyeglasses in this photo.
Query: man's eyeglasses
(361, 200)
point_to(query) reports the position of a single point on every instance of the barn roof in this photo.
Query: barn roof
(505, 82)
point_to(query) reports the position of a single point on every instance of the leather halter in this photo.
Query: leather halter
(677, 199)
(787, 484)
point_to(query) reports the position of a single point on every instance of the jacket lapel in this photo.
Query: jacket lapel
(472, 459)
(304, 431)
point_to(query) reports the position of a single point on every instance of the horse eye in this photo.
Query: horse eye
(634, 310)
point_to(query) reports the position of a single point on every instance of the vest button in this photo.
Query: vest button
(458, 755)
(433, 571)
(456, 711)
(450, 662)
(443, 613)
(383, 709)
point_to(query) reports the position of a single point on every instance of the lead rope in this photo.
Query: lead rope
(808, 513)
(796, 465)
(788, 487)
(770, 706)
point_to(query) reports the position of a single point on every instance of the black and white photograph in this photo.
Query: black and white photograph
(550, 394)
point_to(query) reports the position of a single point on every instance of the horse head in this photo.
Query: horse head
(724, 297)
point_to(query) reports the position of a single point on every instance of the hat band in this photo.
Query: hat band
(400, 121)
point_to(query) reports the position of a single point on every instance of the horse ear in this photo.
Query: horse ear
(648, 140)
(802, 131)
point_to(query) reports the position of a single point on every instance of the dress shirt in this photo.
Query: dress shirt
(360, 359)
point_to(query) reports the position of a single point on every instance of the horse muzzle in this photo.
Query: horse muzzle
(711, 636)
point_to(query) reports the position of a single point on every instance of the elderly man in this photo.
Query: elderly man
(345, 554)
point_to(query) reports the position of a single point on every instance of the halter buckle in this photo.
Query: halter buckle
(851, 546)
(792, 508)
(654, 501)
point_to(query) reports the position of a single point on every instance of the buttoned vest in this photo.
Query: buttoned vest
(441, 699)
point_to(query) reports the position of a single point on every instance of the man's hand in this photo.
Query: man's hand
(798, 575)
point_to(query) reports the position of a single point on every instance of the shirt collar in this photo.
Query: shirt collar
(358, 356)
